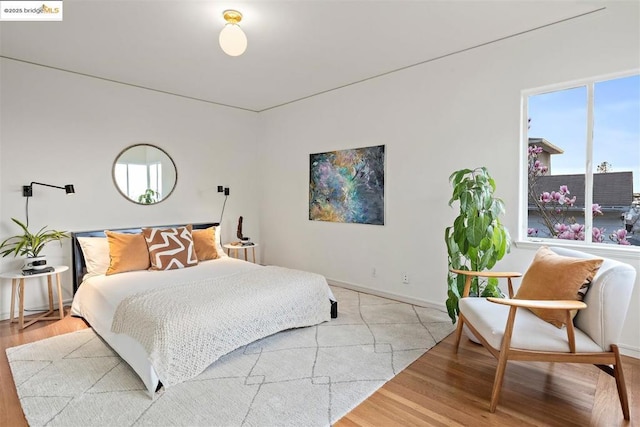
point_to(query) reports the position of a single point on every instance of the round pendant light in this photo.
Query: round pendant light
(232, 39)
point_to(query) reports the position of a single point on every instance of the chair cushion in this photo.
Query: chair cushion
(555, 277)
(529, 331)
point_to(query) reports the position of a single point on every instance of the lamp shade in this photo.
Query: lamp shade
(232, 40)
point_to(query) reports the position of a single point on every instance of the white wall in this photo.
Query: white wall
(62, 128)
(461, 111)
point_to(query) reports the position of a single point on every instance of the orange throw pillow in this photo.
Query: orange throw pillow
(555, 277)
(205, 243)
(127, 252)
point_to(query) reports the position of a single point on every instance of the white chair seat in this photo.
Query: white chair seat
(529, 333)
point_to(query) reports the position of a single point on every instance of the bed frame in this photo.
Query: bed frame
(79, 267)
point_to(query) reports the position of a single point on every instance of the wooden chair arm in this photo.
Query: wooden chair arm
(566, 305)
(497, 274)
(487, 273)
(547, 304)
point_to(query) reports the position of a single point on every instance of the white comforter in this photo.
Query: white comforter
(98, 298)
(187, 327)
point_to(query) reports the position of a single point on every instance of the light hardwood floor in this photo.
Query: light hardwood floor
(439, 389)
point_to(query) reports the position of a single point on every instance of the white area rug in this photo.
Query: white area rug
(303, 377)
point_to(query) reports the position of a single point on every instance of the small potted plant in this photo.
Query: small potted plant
(30, 245)
(149, 197)
(477, 239)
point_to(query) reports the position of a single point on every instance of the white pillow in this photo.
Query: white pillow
(219, 249)
(96, 254)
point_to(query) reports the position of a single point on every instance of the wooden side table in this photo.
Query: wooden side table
(17, 283)
(229, 247)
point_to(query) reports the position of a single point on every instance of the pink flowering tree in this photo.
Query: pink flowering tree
(555, 208)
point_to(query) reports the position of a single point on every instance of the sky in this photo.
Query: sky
(560, 117)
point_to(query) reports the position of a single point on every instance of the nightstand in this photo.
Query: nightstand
(17, 284)
(229, 247)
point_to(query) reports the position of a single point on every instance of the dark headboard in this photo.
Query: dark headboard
(77, 258)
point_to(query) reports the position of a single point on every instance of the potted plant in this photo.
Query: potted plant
(30, 244)
(148, 197)
(477, 239)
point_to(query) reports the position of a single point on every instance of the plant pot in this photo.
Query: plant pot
(35, 263)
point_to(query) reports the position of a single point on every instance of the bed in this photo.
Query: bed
(170, 325)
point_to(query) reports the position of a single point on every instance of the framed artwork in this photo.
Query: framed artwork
(347, 186)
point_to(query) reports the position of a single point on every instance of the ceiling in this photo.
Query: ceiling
(296, 48)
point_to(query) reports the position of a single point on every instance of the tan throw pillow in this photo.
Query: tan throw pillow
(205, 243)
(127, 252)
(170, 248)
(554, 277)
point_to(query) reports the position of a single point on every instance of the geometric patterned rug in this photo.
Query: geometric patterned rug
(302, 377)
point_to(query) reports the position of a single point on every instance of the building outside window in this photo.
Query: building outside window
(583, 161)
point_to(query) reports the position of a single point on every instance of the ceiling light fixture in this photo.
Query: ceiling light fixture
(232, 39)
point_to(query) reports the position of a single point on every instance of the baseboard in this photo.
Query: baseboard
(625, 349)
(402, 298)
(34, 310)
(630, 351)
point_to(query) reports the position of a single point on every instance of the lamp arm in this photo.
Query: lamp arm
(47, 185)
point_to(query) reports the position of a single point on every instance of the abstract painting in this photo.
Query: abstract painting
(347, 186)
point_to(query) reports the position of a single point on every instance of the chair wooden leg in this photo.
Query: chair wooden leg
(497, 381)
(620, 384)
(459, 332)
(502, 360)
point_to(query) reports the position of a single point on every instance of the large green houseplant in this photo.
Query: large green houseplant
(30, 244)
(477, 239)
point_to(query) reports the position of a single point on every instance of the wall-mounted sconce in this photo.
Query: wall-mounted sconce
(27, 191)
(232, 39)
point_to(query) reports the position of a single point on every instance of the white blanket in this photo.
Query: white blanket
(187, 327)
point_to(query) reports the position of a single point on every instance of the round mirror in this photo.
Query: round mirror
(144, 174)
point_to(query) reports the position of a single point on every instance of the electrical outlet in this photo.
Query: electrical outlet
(405, 278)
(373, 272)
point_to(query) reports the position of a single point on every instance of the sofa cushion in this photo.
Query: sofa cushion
(555, 277)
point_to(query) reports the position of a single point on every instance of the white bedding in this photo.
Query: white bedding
(98, 297)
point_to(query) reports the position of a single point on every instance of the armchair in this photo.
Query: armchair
(510, 332)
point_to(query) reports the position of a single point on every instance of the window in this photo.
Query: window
(137, 179)
(583, 161)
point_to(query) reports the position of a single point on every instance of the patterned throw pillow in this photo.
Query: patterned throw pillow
(170, 248)
(582, 292)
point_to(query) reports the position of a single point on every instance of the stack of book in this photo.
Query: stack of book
(32, 271)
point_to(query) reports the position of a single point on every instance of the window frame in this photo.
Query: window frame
(523, 240)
